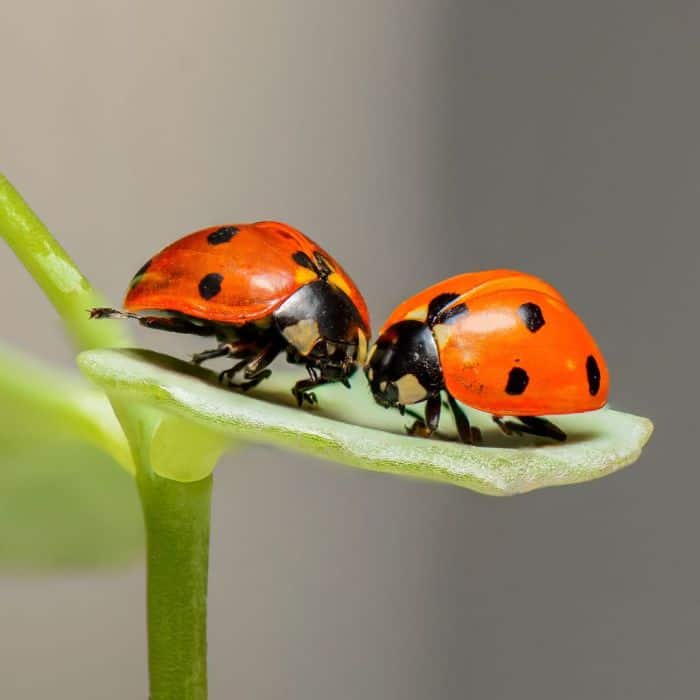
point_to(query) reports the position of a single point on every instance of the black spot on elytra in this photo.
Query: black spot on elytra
(593, 374)
(517, 381)
(532, 317)
(222, 235)
(319, 265)
(437, 304)
(448, 314)
(301, 258)
(210, 285)
(437, 313)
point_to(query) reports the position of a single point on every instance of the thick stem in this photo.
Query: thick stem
(176, 515)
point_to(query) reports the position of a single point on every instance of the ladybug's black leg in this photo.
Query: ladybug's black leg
(253, 368)
(466, 432)
(256, 369)
(227, 376)
(223, 350)
(106, 312)
(542, 427)
(426, 427)
(174, 324)
(531, 425)
(239, 350)
(302, 390)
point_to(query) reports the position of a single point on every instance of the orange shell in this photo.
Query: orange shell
(467, 286)
(256, 269)
(481, 348)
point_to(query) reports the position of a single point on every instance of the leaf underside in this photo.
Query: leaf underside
(348, 427)
(65, 505)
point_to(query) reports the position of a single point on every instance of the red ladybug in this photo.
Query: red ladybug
(260, 289)
(500, 341)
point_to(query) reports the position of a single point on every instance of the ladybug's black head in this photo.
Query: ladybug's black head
(323, 330)
(404, 365)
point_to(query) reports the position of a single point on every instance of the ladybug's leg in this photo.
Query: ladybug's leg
(256, 369)
(174, 324)
(425, 428)
(534, 425)
(505, 426)
(232, 348)
(253, 368)
(227, 376)
(223, 350)
(302, 390)
(531, 425)
(466, 432)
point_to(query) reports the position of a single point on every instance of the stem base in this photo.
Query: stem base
(176, 517)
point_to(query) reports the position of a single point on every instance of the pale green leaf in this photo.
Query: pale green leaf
(38, 402)
(65, 505)
(348, 427)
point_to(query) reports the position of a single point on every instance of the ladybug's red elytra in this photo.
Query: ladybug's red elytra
(260, 289)
(500, 341)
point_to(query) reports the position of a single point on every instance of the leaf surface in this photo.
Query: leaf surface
(348, 427)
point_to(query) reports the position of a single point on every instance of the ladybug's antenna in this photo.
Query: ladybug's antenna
(105, 312)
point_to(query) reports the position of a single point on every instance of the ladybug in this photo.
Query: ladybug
(260, 289)
(500, 341)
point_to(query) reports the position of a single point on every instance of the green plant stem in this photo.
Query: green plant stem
(177, 533)
(52, 268)
(176, 514)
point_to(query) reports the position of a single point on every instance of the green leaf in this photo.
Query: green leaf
(65, 505)
(38, 403)
(350, 428)
(171, 446)
(64, 501)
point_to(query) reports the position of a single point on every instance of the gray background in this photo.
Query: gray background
(415, 140)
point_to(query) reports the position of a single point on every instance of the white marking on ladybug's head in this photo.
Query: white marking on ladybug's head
(372, 350)
(410, 389)
(361, 347)
(303, 335)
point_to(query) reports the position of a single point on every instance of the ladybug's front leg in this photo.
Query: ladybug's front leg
(303, 389)
(174, 324)
(425, 428)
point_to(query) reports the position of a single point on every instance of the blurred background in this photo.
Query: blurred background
(415, 140)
